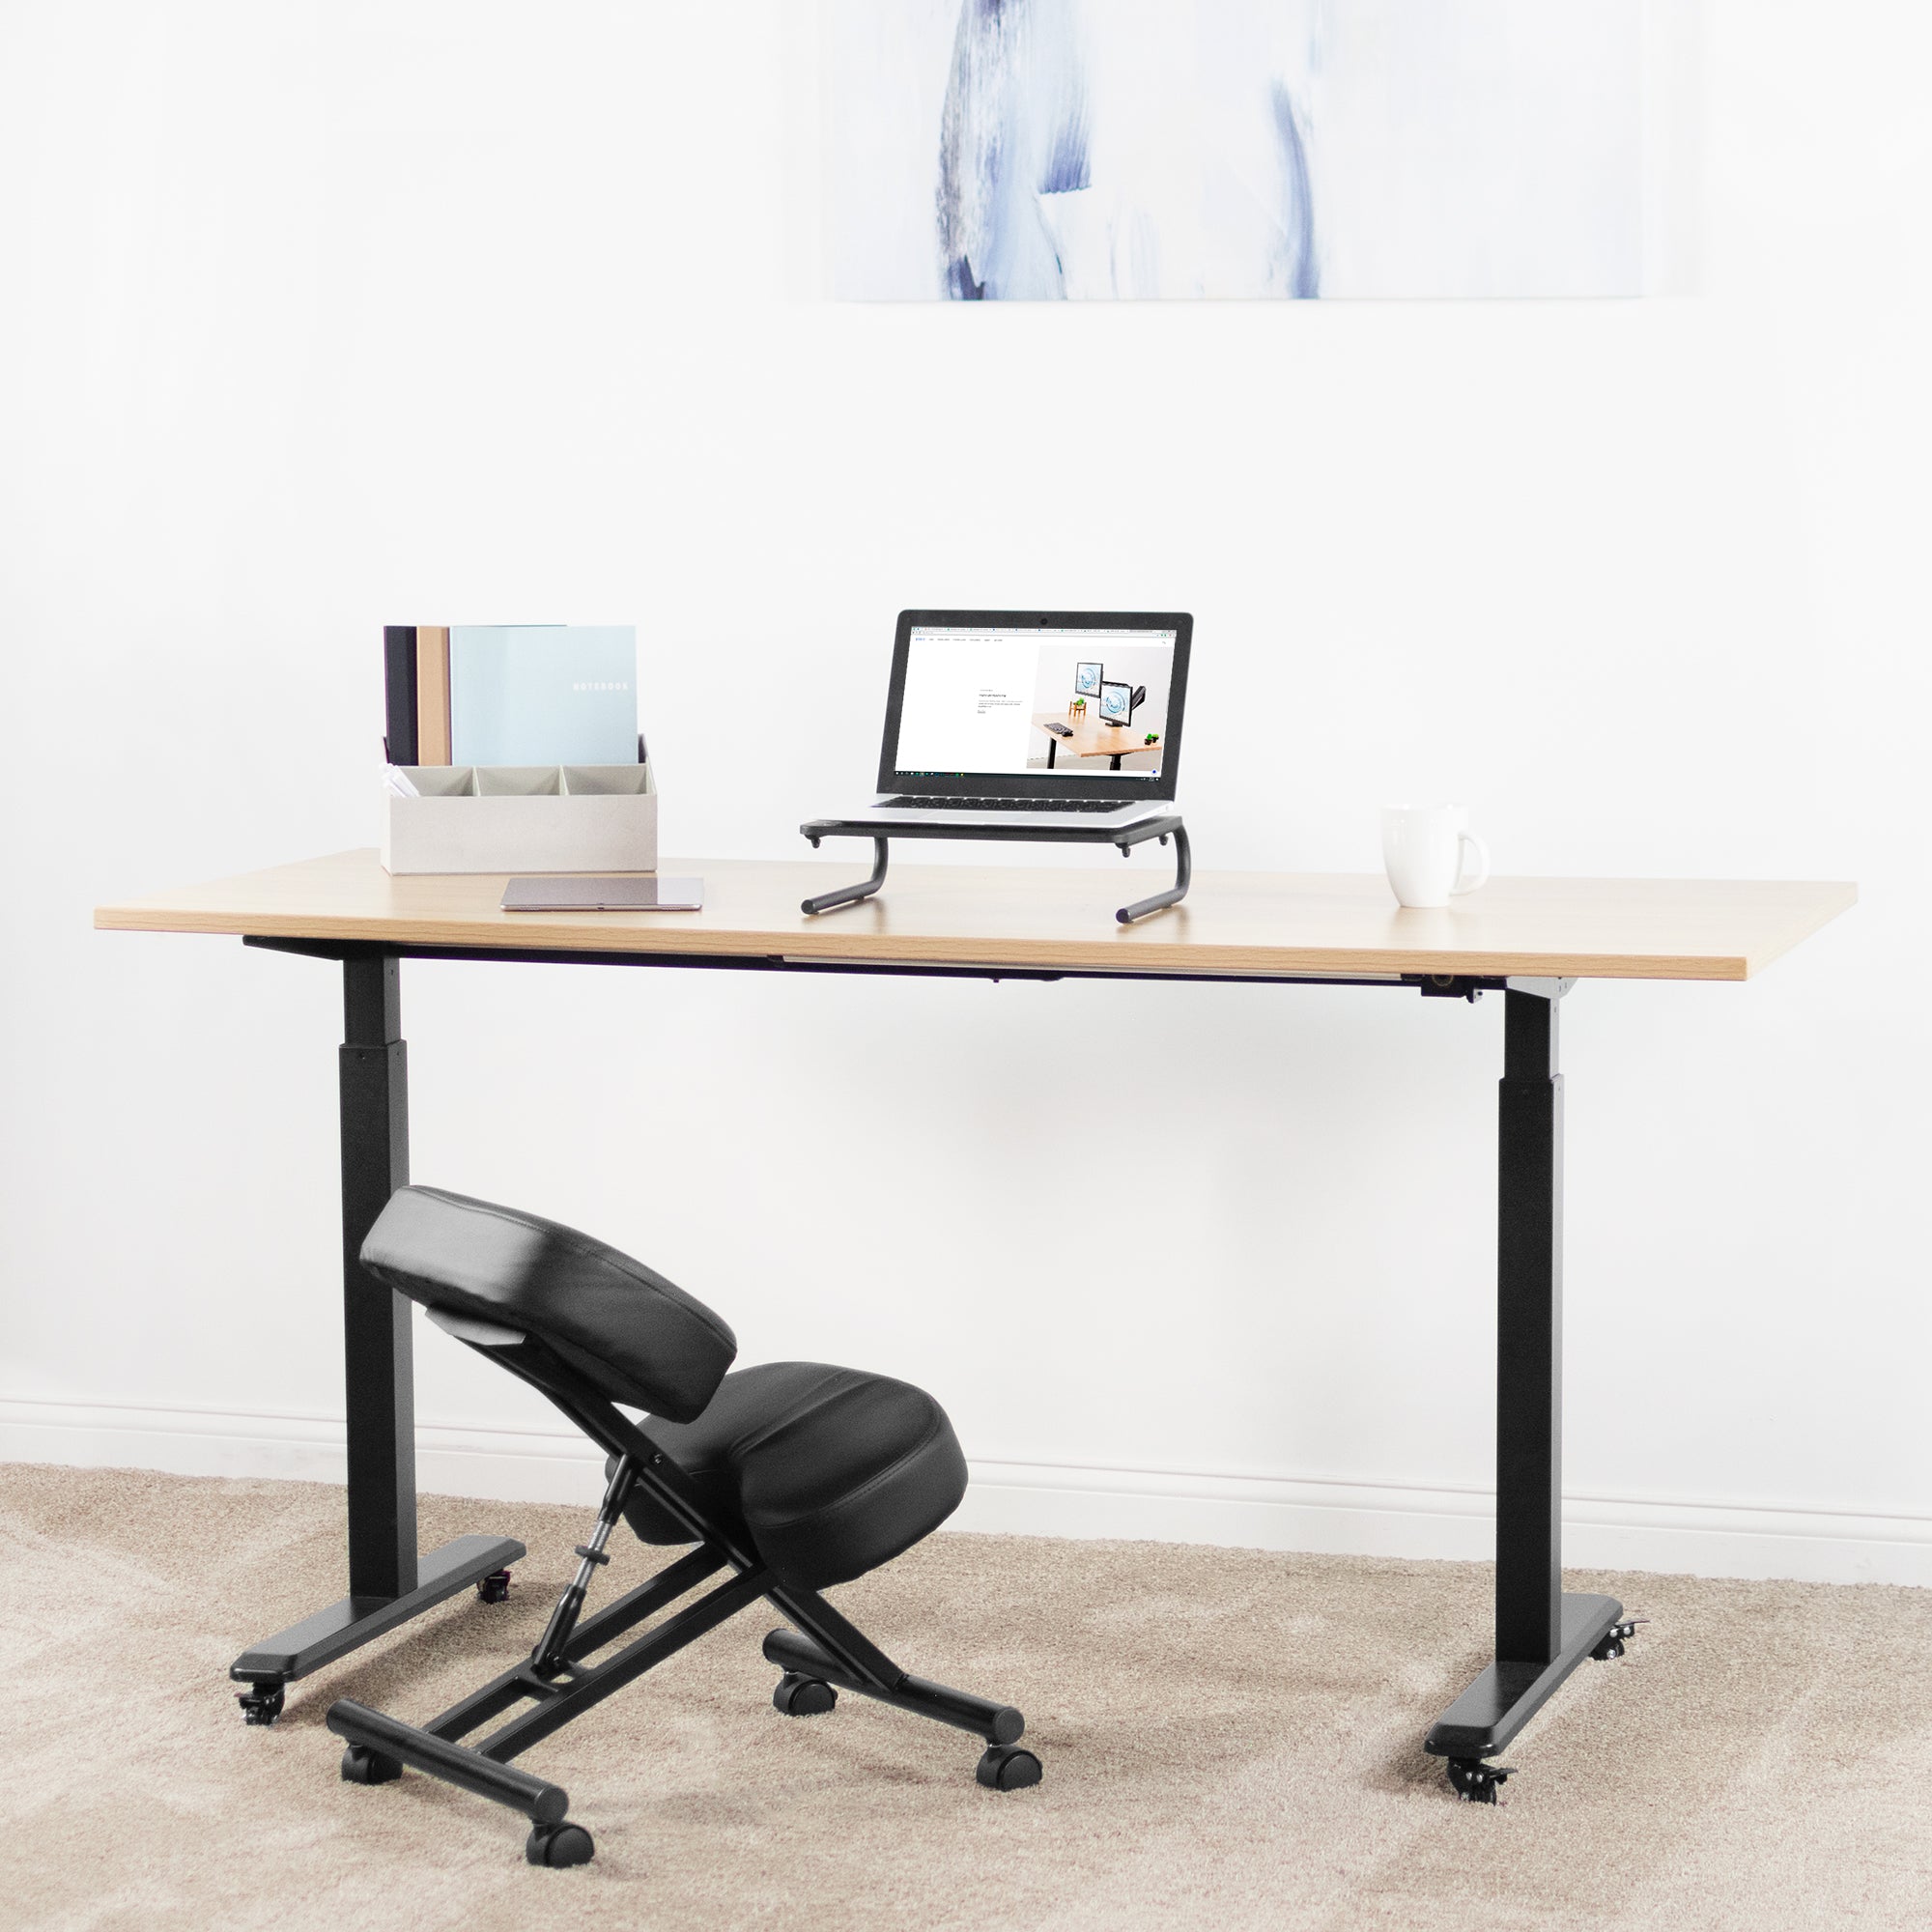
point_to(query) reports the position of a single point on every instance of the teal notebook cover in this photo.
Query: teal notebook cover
(543, 693)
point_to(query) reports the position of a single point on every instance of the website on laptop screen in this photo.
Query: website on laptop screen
(1079, 703)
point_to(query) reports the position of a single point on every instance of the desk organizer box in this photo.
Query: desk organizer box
(522, 818)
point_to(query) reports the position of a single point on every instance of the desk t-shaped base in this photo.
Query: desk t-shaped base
(1541, 1634)
(387, 1584)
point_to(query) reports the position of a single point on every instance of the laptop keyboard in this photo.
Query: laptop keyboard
(1010, 804)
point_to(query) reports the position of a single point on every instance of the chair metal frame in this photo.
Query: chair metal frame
(824, 1654)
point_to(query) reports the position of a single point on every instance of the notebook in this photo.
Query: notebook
(543, 693)
(432, 695)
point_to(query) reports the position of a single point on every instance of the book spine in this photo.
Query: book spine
(432, 694)
(399, 681)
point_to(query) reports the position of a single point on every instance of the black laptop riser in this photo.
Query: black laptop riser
(1165, 826)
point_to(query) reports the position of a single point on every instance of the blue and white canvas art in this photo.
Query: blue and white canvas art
(1054, 149)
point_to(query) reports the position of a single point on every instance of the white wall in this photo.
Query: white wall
(320, 316)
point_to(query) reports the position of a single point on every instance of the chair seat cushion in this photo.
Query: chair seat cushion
(830, 1473)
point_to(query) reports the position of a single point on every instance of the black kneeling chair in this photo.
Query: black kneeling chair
(794, 1476)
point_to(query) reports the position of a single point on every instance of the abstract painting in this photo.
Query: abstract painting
(1125, 150)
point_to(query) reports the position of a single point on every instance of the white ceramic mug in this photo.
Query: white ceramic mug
(1423, 848)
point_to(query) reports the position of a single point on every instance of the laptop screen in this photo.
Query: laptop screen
(980, 701)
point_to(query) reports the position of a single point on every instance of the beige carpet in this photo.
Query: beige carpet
(1231, 1740)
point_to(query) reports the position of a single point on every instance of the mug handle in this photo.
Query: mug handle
(1482, 878)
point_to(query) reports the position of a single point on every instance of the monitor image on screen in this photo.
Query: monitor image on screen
(999, 700)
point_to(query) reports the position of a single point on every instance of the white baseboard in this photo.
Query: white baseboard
(1033, 1499)
(1351, 1519)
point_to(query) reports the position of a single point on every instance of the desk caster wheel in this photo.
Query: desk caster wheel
(1478, 1782)
(1615, 1637)
(559, 1845)
(261, 1703)
(801, 1696)
(495, 1588)
(362, 1765)
(1005, 1768)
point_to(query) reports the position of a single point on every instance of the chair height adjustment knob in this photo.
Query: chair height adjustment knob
(589, 1555)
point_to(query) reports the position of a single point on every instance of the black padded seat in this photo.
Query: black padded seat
(794, 1476)
(831, 1472)
(634, 1335)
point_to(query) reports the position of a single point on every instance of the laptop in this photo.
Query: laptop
(1024, 718)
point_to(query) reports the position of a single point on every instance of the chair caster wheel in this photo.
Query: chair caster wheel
(495, 1588)
(1615, 1638)
(1475, 1780)
(1005, 1768)
(800, 1697)
(362, 1765)
(559, 1845)
(261, 1703)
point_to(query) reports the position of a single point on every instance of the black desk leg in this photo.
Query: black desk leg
(387, 1583)
(1541, 1633)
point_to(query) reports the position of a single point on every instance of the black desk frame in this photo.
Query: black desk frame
(388, 1583)
(1541, 1633)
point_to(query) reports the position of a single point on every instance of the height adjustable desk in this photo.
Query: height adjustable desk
(1528, 940)
(1090, 737)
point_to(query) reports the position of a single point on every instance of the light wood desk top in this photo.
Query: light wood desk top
(1268, 924)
